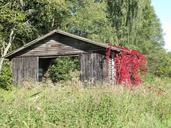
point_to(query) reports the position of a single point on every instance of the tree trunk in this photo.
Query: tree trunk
(11, 38)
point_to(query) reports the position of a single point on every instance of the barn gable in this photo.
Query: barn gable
(58, 42)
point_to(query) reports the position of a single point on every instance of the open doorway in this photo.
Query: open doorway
(44, 64)
(58, 68)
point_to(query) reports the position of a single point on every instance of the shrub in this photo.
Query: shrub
(62, 67)
(159, 64)
(5, 77)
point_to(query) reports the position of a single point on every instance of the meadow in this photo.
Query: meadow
(74, 105)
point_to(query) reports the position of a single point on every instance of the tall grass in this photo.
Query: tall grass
(72, 105)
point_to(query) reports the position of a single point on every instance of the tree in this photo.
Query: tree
(46, 15)
(125, 18)
(23, 21)
(12, 21)
(150, 35)
(135, 22)
(88, 18)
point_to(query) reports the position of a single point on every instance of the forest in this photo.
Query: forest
(129, 23)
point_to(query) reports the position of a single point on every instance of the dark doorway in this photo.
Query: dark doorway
(46, 63)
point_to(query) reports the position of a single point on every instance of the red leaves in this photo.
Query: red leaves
(128, 64)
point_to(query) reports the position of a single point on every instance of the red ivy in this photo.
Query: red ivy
(128, 64)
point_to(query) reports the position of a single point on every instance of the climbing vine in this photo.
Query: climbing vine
(129, 64)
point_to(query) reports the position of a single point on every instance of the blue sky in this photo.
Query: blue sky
(163, 11)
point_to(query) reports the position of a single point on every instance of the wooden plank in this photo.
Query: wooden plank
(92, 67)
(80, 44)
(24, 68)
(51, 47)
(82, 65)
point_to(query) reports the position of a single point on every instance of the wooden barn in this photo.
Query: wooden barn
(29, 60)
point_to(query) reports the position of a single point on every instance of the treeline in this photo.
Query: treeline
(130, 23)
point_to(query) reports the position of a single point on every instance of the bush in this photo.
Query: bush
(160, 64)
(62, 67)
(5, 77)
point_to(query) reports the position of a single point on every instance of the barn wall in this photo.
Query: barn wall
(24, 68)
(93, 67)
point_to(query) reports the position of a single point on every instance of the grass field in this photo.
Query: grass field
(72, 105)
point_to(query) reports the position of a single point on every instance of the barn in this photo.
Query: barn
(29, 60)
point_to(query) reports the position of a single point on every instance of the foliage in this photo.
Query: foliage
(128, 64)
(89, 19)
(29, 19)
(72, 105)
(159, 63)
(5, 78)
(62, 68)
(125, 17)
(149, 37)
(46, 15)
(134, 19)
(14, 18)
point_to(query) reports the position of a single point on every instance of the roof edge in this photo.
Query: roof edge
(30, 43)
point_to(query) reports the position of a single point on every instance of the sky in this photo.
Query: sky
(163, 11)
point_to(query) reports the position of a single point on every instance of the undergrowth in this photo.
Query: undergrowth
(72, 105)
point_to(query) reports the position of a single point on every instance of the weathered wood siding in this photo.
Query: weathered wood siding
(93, 67)
(80, 44)
(24, 68)
(51, 47)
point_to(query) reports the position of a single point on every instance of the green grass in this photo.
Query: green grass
(73, 106)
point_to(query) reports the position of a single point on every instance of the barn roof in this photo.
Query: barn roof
(12, 54)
